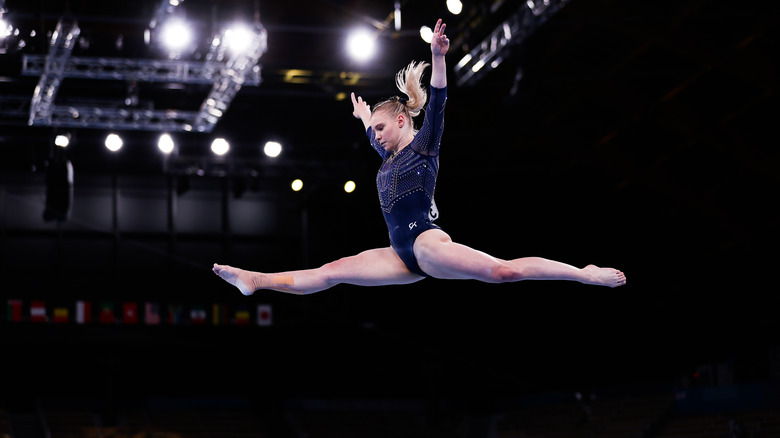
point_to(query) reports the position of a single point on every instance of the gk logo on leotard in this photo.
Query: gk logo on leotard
(412, 225)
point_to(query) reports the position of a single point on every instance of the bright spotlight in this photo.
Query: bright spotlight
(361, 45)
(426, 33)
(349, 186)
(238, 39)
(175, 35)
(165, 143)
(272, 149)
(454, 6)
(220, 146)
(296, 185)
(62, 140)
(5, 28)
(113, 142)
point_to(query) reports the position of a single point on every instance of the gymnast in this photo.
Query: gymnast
(405, 182)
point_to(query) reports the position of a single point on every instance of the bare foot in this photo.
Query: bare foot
(604, 276)
(237, 277)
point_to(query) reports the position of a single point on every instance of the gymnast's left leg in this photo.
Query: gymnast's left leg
(373, 267)
(440, 257)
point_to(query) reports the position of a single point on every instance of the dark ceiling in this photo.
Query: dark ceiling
(631, 134)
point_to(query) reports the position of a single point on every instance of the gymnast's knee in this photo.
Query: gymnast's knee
(505, 273)
(332, 273)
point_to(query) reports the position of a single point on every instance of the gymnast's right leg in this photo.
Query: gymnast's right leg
(374, 267)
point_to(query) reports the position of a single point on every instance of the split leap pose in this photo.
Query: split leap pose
(406, 182)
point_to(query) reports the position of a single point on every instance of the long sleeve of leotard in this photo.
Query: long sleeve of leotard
(428, 138)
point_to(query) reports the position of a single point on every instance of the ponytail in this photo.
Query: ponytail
(409, 83)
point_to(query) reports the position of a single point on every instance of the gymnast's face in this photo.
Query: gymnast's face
(389, 130)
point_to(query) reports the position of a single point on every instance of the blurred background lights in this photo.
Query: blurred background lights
(296, 185)
(165, 143)
(426, 33)
(349, 186)
(272, 149)
(113, 142)
(220, 146)
(5, 28)
(62, 140)
(454, 6)
(361, 45)
(176, 35)
(238, 39)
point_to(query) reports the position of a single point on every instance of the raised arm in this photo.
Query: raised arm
(361, 110)
(440, 44)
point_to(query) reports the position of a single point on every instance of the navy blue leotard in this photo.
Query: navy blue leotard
(407, 179)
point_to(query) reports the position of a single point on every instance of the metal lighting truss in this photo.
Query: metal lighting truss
(228, 73)
(231, 76)
(63, 39)
(489, 53)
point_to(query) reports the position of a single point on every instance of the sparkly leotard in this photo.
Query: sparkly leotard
(407, 179)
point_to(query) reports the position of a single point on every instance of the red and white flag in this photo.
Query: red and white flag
(38, 311)
(264, 315)
(83, 312)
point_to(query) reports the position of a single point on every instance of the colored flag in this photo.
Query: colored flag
(15, 310)
(264, 315)
(107, 315)
(83, 312)
(241, 317)
(152, 316)
(60, 314)
(38, 311)
(175, 313)
(197, 314)
(220, 314)
(130, 312)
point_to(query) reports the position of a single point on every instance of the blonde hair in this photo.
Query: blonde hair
(409, 82)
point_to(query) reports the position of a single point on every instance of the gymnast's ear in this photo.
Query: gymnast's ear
(401, 120)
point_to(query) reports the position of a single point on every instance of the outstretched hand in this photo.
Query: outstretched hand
(361, 110)
(440, 44)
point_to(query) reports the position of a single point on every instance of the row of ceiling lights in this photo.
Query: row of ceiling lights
(219, 146)
(166, 145)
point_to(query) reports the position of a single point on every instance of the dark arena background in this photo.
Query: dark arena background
(639, 135)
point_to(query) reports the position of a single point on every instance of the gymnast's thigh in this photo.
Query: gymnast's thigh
(440, 257)
(373, 267)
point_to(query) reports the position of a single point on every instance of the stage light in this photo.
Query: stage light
(463, 61)
(165, 143)
(297, 185)
(349, 186)
(220, 146)
(176, 36)
(426, 33)
(113, 142)
(5, 28)
(361, 45)
(62, 140)
(272, 149)
(454, 6)
(397, 15)
(238, 39)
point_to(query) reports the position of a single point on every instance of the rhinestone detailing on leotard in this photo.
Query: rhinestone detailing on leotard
(416, 166)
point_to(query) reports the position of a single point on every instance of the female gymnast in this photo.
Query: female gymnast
(406, 181)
